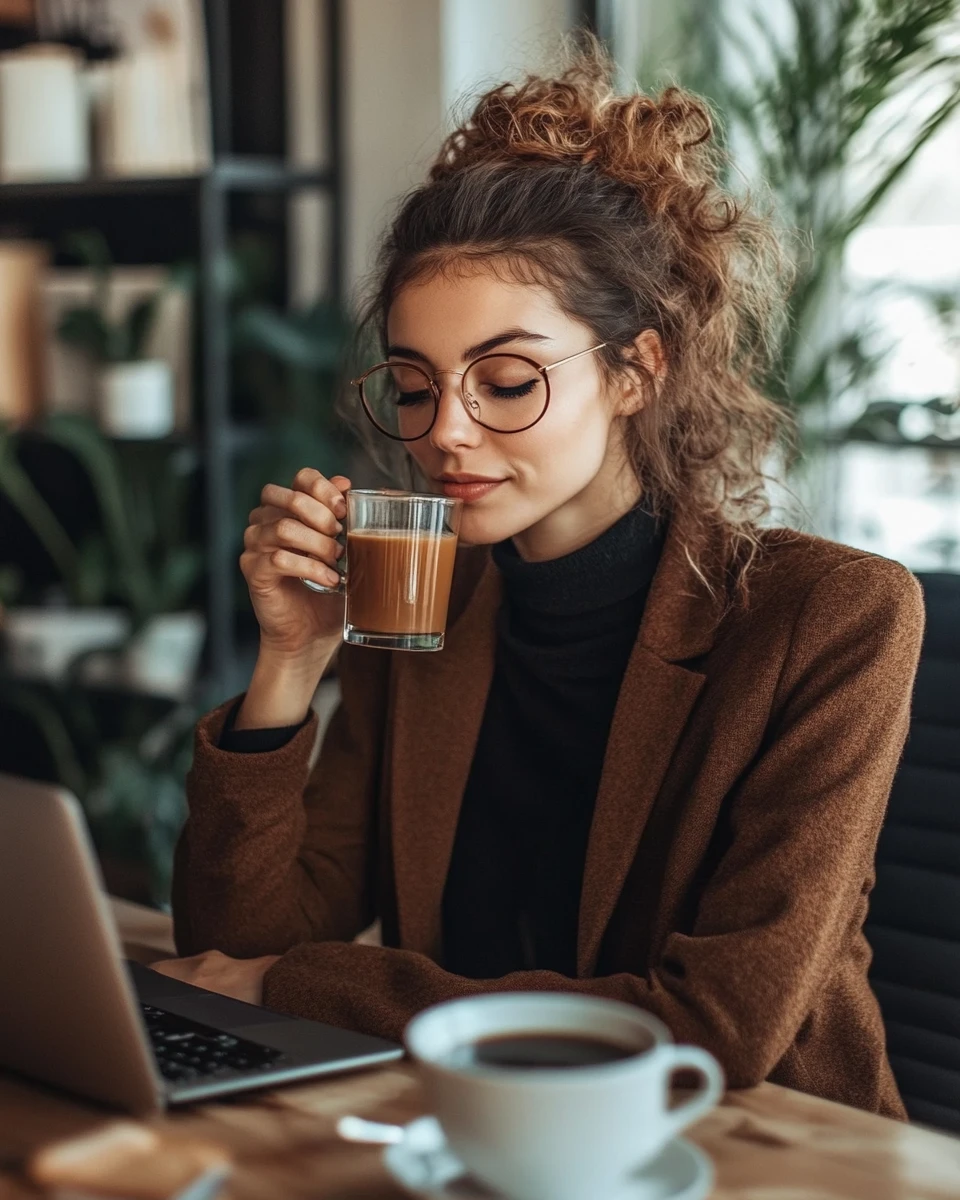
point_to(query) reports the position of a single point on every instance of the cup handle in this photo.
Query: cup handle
(339, 590)
(678, 1058)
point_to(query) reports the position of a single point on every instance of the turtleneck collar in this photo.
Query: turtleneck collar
(618, 564)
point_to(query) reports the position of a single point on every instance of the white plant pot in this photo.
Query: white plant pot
(137, 399)
(163, 657)
(42, 642)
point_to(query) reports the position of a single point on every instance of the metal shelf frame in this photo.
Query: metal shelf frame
(232, 173)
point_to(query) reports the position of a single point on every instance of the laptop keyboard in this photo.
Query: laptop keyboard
(186, 1050)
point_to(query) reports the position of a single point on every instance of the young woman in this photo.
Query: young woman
(652, 760)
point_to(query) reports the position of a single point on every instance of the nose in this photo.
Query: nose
(453, 428)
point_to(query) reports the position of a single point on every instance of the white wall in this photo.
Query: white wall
(392, 113)
(484, 43)
(405, 62)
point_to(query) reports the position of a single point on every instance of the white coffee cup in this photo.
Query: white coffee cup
(573, 1133)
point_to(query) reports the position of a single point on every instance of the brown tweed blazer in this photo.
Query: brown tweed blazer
(731, 854)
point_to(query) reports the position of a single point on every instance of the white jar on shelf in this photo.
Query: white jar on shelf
(137, 399)
(44, 127)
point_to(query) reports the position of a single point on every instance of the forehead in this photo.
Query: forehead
(445, 312)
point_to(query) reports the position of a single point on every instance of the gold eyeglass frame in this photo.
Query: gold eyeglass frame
(468, 403)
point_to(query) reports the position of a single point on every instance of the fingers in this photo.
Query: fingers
(261, 570)
(291, 534)
(293, 531)
(312, 498)
(288, 502)
(327, 491)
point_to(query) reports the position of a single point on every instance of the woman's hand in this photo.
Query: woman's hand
(291, 537)
(241, 978)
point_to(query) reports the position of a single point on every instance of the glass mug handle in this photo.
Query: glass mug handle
(707, 1097)
(339, 590)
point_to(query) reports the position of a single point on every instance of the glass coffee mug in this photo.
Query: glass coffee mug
(401, 548)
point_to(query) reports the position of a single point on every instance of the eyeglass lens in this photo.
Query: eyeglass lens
(501, 391)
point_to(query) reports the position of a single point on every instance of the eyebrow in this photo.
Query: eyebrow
(501, 339)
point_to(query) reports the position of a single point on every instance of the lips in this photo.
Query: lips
(468, 488)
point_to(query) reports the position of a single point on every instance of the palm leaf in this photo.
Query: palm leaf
(896, 171)
(805, 101)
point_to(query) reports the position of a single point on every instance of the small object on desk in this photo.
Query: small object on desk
(132, 1162)
(425, 1166)
(369, 1133)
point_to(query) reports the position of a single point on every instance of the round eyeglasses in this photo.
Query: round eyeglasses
(505, 393)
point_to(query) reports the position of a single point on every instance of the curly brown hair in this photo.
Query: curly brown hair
(616, 203)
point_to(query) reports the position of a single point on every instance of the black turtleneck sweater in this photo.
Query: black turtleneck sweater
(565, 632)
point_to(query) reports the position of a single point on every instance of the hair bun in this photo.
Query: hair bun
(647, 142)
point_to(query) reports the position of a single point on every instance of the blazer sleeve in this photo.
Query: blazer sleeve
(781, 901)
(272, 853)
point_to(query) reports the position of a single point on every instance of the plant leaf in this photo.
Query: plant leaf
(19, 489)
(181, 569)
(98, 457)
(139, 323)
(307, 341)
(36, 707)
(84, 329)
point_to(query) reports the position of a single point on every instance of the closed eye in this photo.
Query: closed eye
(408, 399)
(512, 393)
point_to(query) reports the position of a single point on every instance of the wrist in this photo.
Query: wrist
(282, 687)
(308, 662)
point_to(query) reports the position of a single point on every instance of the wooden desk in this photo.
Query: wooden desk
(768, 1143)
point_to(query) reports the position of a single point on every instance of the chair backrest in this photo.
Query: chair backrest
(914, 921)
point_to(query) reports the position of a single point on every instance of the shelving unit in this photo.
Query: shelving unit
(208, 196)
(229, 173)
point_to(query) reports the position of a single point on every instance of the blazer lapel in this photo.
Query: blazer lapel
(439, 700)
(656, 697)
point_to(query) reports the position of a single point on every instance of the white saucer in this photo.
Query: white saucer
(425, 1166)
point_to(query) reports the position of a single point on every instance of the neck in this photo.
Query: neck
(582, 519)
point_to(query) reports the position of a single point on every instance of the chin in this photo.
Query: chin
(479, 528)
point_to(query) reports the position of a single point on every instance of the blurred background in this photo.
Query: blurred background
(190, 196)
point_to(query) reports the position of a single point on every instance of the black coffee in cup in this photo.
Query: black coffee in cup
(539, 1052)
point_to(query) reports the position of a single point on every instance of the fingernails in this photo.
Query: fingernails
(339, 527)
(340, 550)
(340, 507)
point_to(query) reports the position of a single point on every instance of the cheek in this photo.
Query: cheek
(550, 465)
(566, 450)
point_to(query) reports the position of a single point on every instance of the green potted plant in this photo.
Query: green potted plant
(136, 391)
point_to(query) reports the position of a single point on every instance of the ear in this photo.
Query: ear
(647, 353)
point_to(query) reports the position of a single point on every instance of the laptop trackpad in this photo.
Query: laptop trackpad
(195, 1003)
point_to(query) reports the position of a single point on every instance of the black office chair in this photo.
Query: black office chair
(914, 921)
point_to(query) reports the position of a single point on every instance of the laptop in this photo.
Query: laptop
(74, 1014)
